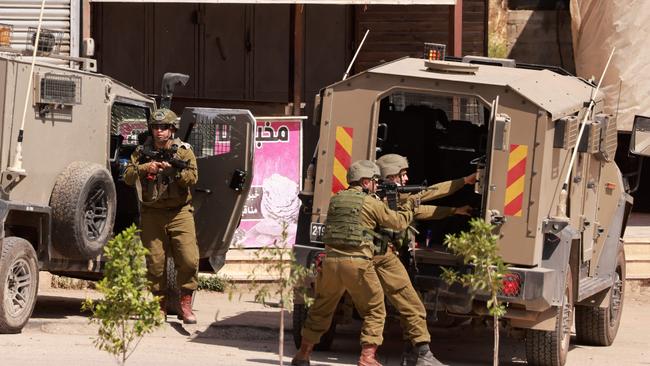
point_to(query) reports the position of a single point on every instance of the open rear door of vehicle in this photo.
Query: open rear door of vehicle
(494, 175)
(222, 140)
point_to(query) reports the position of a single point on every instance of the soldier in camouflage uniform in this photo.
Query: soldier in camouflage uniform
(353, 219)
(391, 272)
(166, 212)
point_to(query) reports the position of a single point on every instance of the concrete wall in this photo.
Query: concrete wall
(540, 37)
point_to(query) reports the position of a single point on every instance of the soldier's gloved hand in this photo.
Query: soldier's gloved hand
(463, 210)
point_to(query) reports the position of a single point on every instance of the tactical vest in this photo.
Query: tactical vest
(343, 227)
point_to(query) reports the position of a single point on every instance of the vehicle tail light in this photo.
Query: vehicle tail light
(318, 261)
(511, 285)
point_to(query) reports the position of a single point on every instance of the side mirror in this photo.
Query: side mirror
(640, 141)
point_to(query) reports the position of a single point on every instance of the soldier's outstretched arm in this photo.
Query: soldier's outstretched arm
(442, 189)
(431, 212)
(188, 176)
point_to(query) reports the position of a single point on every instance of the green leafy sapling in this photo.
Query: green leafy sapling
(128, 309)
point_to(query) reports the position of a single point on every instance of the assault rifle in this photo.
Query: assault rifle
(391, 192)
(166, 155)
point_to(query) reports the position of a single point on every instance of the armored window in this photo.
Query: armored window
(210, 138)
(128, 121)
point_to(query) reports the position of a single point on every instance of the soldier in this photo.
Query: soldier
(353, 219)
(166, 212)
(391, 272)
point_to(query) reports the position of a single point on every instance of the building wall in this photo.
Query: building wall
(541, 37)
(241, 56)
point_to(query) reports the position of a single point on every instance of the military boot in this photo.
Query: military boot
(368, 355)
(425, 357)
(302, 356)
(186, 314)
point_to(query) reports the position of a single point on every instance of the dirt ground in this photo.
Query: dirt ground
(241, 332)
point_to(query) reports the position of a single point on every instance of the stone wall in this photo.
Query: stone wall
(540, 37)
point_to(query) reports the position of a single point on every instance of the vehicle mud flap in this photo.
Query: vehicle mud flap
(555, 255)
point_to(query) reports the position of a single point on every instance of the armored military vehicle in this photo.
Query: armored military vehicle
(64, 201)
(517, 128)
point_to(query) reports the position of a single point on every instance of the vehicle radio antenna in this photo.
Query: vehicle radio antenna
(17, 165)
(347, 72)
(565, 186)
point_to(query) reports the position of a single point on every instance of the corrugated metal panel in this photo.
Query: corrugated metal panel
(59, 15)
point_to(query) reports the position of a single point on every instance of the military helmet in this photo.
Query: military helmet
(362, 169)
(392, 164)
(164, 116)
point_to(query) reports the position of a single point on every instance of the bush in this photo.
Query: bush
(213, 283)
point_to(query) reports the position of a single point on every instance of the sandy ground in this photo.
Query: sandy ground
(241, 332)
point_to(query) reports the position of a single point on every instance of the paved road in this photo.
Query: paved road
(240, 332)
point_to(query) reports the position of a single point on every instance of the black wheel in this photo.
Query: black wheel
(598, 326)
(550, 348)
(299, 316)
(172, 293)
(18, 284)
(83, 210)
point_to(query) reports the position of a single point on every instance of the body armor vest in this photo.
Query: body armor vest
(343, 227)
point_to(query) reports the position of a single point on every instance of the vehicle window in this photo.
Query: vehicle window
(455, 108)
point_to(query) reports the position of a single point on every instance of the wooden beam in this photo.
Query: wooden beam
(456, 29)
(298, 56)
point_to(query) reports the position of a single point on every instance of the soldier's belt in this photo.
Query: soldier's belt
(339, 255)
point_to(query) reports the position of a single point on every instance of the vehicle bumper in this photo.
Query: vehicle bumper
(535, 292)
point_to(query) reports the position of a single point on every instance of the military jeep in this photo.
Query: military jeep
(517, 127)
(66, 199)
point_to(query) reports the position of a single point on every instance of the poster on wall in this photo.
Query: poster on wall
(273, 199)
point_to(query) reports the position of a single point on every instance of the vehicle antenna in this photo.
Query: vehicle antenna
(583, 123)
(347, 72)
(18, 157)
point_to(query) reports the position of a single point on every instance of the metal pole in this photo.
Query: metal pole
(347, 72)
(18, 158)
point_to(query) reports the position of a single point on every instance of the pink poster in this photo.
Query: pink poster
(273, 199)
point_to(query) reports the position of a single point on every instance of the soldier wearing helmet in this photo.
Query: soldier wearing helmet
(391, 272)
(166, 212)
(354, 218)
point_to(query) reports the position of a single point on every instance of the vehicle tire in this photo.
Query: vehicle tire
(598, 326)
(83, 205)
(550, 348)
(173, 292)
(299, 316)
(18, 284)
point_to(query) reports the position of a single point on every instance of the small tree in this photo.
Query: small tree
(276, 261)
(128, 310)
(479, 249)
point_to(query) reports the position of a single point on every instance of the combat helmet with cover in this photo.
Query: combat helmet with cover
(362, 169)
(391, 164)
(164, 116)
